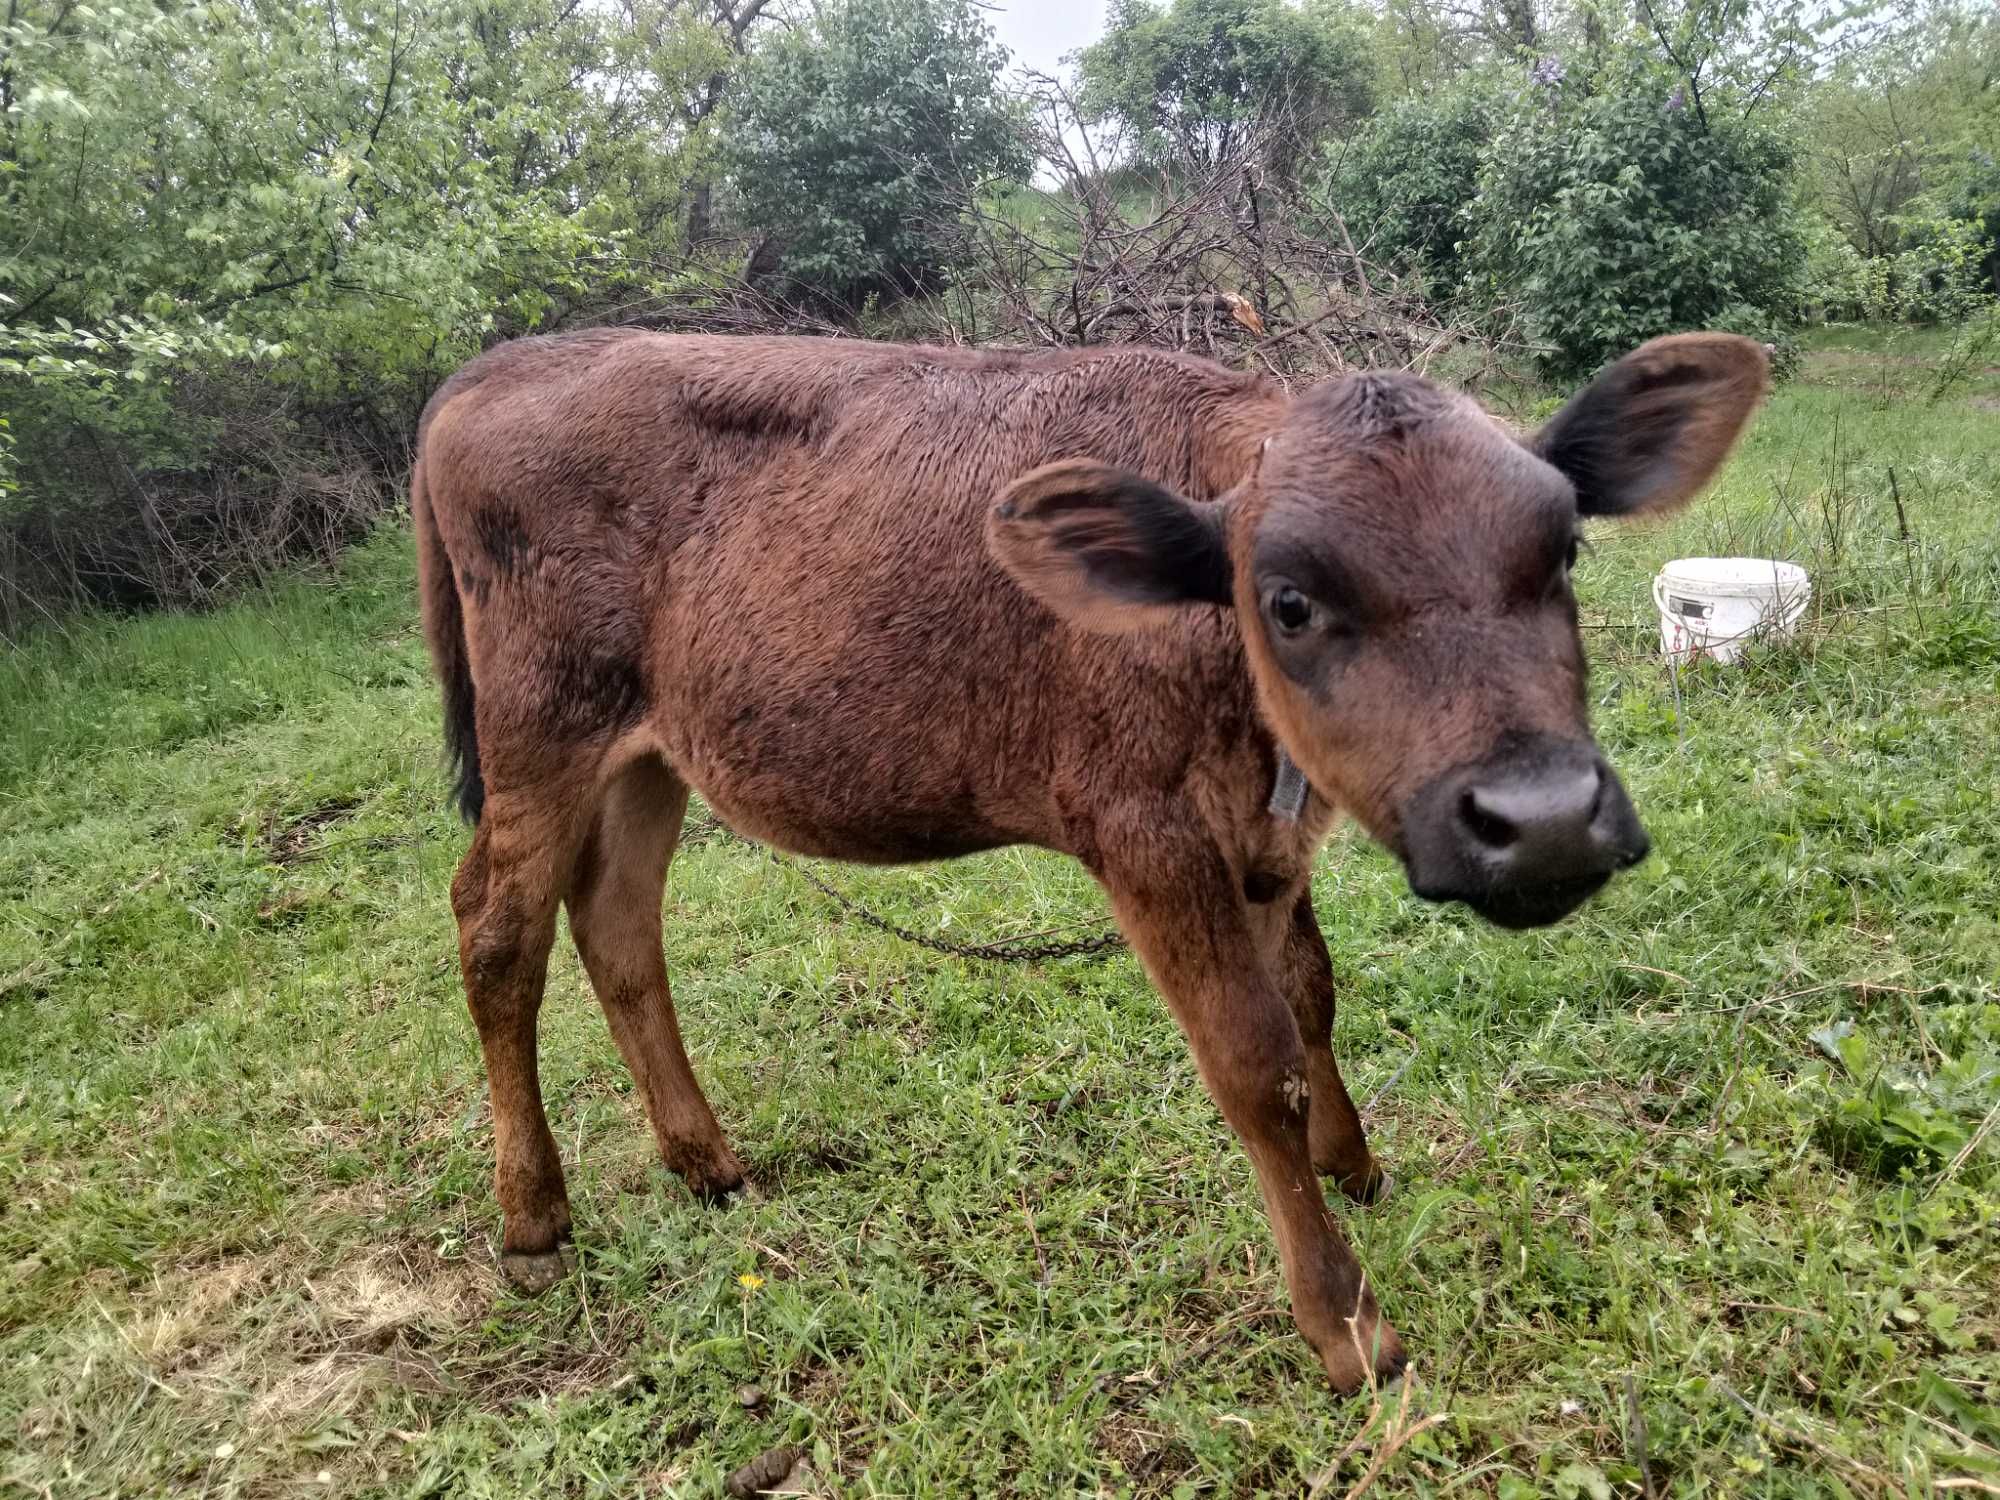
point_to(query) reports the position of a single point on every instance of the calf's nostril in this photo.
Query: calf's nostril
(1485, 822)
(1635, 853)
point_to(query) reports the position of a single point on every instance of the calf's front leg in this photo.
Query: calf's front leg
(1187, 922)
(1305, 971)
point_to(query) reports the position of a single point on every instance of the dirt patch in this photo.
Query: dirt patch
(252, 1337)
(366, 1305)
(189, 1305)
(816, 1385)
(370, 1321)
(1152, 1459)
(291, 842)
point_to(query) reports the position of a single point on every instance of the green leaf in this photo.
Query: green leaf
(1580, 1479)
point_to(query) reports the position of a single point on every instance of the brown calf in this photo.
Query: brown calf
(882, 603)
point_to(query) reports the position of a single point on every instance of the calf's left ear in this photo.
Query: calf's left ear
(1651, 430)
(1105, 548)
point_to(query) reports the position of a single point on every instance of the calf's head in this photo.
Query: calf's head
(1399, 568)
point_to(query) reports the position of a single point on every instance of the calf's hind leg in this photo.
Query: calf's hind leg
(504, 896)
(614, 915)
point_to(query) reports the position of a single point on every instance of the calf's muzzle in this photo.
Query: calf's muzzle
(1523, 836)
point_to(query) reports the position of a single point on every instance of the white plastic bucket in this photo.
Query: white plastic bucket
(1710, 606)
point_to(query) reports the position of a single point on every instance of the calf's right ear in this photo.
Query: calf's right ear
(1105, 548)
(1648, 433)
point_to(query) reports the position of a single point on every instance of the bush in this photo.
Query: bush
(1405, 180)
(1937, 275)
(342, 199)
(1616, 211)
(860, 136)
(1974, 197)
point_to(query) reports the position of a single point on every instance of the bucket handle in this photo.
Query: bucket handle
(1793, 605)
(1660, 599)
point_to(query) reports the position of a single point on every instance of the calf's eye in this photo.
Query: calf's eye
(1290, 610)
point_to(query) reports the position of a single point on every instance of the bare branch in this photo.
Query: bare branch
(1197, 254)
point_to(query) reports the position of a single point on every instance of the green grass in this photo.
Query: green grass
(1716, 1142)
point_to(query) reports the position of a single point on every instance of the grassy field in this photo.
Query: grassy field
(1717, 1159)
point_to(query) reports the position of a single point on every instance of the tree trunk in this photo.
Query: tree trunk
(700, 203)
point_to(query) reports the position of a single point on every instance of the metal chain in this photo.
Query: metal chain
(1001, 950)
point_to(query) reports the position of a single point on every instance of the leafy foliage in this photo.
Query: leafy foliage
(354, 197)
(1617, 211)
(369, 188)
(858, 136)
(1189, 77)
(1974, 200)
(1904, 133)
(1404, 182)
(1939, 275)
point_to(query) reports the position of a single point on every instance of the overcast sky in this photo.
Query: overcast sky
(1040, 32)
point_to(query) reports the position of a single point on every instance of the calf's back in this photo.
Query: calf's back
(764, 559)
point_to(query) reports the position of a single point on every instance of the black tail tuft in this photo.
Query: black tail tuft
(444, 631)
(461, 745)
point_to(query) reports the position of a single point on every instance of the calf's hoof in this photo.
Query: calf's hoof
(1360, 1359)
(715, 1178)
(531, 1273)
(719, 1192)
(1368, 1187)
(1361, 1181)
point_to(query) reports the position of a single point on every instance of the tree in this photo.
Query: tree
(1189, 78)
(857, 138)
(1615, 211)
(733, 20)
(1904, 133)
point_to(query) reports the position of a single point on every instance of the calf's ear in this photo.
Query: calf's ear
(1651, 430)
(1105, 548)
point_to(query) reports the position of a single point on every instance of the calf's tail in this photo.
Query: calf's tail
(444, 632)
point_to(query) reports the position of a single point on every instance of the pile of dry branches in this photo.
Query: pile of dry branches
(1226, 258)
(276, 483)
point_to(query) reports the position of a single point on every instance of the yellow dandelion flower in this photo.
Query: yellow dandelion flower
(750, 1281)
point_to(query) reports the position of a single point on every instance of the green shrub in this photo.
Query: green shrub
(858, 139)
(1974, 197)
(1405, 180)
(341, 200)
(1613, 210)
(1936, 276)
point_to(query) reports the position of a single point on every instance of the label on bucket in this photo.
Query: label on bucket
(1693, 608)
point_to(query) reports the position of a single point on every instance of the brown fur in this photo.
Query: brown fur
(775, 571)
